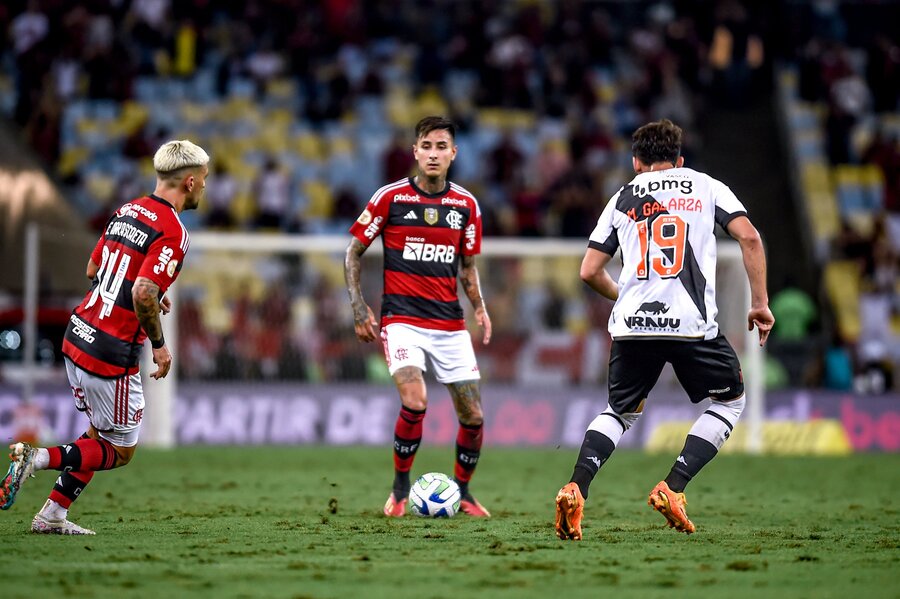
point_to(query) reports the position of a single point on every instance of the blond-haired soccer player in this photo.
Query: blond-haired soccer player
(665, 311)
(137, 258)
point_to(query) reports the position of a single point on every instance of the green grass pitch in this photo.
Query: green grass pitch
(306, 522)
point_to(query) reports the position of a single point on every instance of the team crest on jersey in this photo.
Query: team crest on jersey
(170, 268)
(365, 218)
(431, 215)
(454, 219)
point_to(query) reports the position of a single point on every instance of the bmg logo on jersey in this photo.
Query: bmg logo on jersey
(372, 230)
(165, 254)
(429, 252)
(470, 236)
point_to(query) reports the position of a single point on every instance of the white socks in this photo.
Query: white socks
(53, 511)
(42, 459)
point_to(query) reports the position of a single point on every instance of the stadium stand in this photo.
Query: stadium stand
(546, 93)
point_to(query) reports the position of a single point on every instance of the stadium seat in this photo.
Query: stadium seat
(842, 285)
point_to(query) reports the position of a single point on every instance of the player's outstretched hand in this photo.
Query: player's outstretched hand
(763, 319)
(162, 357)
(365, 328)
(484, 321)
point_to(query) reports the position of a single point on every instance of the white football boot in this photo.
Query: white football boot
(46, 526)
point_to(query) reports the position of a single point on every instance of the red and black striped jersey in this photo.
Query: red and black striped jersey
(144, 238)
(423, 236)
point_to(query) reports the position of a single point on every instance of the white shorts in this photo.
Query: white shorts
(450, 352)
(115, 407)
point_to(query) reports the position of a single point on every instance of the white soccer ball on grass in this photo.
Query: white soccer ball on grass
(434, 495)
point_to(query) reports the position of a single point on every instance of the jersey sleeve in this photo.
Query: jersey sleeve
(605, 237)
(372, 220)
(97, 254)
(728, 207)
(164, 259)
(472, 240)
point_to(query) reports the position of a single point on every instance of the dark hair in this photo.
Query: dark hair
(659, 141)
(432, 123)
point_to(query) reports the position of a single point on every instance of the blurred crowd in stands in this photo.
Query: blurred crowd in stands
(844, 114)
(546, 95)
(307, 107)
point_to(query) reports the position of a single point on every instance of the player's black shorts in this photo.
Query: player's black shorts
(704, 368)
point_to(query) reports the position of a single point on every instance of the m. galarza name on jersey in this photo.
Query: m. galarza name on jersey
(663, 223)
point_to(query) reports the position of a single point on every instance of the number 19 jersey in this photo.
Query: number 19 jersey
(664, 222)
(144, 238)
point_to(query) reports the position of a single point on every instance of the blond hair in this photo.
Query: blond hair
(178, 154)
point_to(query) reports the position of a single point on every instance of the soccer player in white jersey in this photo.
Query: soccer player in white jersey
(665, 311)
(431, 230)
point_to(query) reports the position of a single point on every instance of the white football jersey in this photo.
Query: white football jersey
(664, 221)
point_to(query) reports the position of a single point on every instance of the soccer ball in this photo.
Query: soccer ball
(434, 495)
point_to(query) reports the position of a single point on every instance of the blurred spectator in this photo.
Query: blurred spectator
(883, 73)
(27, 32)
(791, 342)
(272, 191)
(504, 160)
(264, 65)
(736, 53)
(397, 161)
(43, 128)
(221, 192)
(884, 151)
(184, 53)
(795, 312)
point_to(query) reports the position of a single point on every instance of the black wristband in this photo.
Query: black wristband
(158, 344)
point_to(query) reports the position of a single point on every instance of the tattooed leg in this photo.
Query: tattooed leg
(411, 385)
(467, 401)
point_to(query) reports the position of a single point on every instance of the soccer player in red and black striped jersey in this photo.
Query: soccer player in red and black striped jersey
(431, 233)
(137, 258)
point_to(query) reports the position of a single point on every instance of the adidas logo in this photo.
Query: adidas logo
(682, 460)
(411, 215)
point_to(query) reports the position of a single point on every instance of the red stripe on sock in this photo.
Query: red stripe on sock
(59, 498)
(469, 438)
(55, 458)
(409, 427)
(93, 456)
(62, 500)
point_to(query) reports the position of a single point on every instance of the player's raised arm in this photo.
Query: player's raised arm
(363, 318)
(755, 264)
(471, 284)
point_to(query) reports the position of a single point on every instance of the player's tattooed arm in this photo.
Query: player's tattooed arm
(145, 295)
(467, 401)
(468, 277)
(363, 319)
